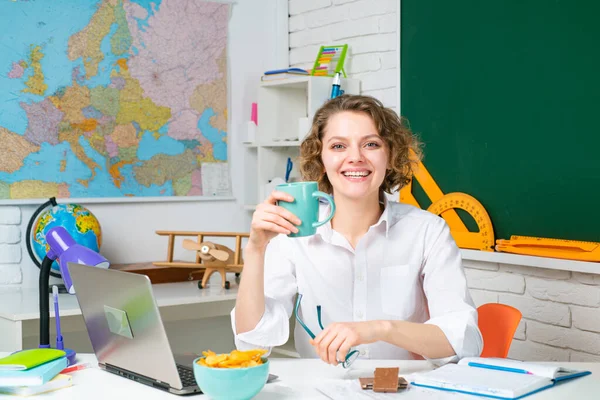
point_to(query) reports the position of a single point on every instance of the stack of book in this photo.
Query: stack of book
(33, 371)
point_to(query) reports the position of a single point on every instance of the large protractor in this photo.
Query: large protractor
(482, 240)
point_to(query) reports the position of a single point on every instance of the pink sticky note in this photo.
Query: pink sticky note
(254, 113)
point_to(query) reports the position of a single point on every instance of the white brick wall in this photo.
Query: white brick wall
(542, 311)
(10, 245)
(369, 27)
(10, 234)
(496, 281)
(10, 215)
(561, 310)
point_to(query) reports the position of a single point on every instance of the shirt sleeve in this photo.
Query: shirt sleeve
(450, 304)
(280, 289)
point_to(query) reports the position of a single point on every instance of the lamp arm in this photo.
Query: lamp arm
(45, 302)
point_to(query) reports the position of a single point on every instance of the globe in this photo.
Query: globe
(79, 222)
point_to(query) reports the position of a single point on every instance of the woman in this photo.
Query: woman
(388, 276)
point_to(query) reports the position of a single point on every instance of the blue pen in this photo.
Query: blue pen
(59, 338)
(335, 87)
(497, 367)
(288, 169)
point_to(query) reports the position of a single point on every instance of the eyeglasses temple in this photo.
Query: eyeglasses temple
(319, 317)
(348, 361)
(312, 335)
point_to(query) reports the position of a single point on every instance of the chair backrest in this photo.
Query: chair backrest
(497, 323)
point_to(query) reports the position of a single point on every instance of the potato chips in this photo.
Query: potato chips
(235, 359)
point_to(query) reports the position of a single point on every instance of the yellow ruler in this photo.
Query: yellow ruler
(445, 205)
(547, 247)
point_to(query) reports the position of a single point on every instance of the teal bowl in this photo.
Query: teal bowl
(231, 383)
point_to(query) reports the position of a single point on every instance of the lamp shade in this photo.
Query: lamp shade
(64, 248)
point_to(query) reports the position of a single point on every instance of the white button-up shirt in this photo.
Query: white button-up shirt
(406, 267)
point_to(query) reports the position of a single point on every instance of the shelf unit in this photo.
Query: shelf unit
(282, 104)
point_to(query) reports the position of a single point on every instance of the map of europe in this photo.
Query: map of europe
(111, 98)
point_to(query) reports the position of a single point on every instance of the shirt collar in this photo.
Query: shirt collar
(326, 231)
(385, 216)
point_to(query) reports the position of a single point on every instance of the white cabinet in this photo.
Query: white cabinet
(282, 104)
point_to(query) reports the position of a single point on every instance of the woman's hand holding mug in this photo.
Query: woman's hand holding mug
(270, 219)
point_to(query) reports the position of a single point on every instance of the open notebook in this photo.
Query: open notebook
(494, 377)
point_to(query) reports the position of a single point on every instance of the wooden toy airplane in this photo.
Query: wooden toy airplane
(210, 256)
(445, 205)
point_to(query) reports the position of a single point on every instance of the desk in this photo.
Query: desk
(19, 311)
(298, 379)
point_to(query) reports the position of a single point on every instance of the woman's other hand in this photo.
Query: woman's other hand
(269, 220)
(336, 340)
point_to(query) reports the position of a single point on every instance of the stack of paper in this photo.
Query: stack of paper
(342, 389)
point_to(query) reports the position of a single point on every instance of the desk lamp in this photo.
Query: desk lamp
(64, 248)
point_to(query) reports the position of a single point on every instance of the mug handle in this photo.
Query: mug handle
(331, 204)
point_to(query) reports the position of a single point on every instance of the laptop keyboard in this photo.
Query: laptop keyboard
(187, 376)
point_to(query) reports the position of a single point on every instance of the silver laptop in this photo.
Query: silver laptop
(126, 330)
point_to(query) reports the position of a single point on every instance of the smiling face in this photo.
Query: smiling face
(371, 139)
(354, 156)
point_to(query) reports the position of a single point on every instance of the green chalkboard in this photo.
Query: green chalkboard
(505, 95)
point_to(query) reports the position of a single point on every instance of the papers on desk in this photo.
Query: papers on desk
(343, 389)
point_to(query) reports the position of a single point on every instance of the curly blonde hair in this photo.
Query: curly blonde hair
(403, 146)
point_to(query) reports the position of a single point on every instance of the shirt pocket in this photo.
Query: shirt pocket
(399, 290)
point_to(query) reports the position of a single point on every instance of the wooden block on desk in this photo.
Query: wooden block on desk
(161, 274)
(386, 380)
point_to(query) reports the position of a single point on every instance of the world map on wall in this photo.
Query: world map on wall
(112, 98)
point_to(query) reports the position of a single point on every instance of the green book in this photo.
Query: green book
(26, 359)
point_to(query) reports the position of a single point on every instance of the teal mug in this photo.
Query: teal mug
(305, 206)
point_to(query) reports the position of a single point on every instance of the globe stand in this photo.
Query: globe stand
(52, 203)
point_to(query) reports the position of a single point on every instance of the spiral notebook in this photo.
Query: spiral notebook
(495, 378)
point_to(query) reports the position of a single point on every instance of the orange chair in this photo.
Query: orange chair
(497, 323)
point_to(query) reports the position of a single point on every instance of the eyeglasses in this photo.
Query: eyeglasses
(350, 357)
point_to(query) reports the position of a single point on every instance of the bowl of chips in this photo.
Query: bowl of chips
(239, 375)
